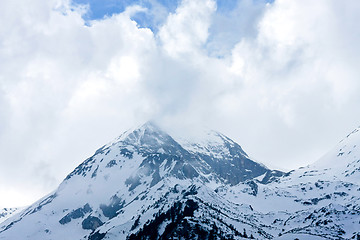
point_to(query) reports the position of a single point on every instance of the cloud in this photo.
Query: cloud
(279, 78)
(186, 30)
(58, 78)
(300, 68)
(233, 21)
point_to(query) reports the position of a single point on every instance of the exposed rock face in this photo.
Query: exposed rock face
(91, 223)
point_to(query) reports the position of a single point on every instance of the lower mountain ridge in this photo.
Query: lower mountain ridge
(147, 184)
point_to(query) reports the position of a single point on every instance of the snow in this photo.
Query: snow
(205, 141)
(6, 213)
(300, 237)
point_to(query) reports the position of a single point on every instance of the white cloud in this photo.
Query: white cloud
(186, 31)
(58, 79)
(300, 67)
(285, 86)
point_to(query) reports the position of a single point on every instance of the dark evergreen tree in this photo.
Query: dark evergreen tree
(244, 234)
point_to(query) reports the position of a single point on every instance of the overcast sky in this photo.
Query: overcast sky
(280, 77)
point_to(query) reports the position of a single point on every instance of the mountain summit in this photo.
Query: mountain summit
(216, 159)
(148, 184)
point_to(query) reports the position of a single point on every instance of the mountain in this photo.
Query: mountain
(5, 213)
(320, 201)
(147, 184)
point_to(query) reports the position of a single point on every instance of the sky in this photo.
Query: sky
(280, 77)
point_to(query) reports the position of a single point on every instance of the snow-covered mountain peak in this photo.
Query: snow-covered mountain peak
(146, 134)
(138, 132)
(147, 138)
(148, 184)
(343, 161)
(148, 155)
